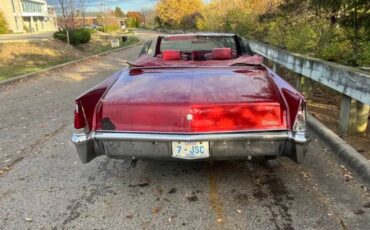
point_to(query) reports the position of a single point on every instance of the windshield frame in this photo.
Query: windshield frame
(187, 37)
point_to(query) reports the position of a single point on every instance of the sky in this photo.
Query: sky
(126, 5)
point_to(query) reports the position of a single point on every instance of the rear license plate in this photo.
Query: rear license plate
(190, 150)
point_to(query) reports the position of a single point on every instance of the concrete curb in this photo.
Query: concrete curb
(33, 74)
(347, 153)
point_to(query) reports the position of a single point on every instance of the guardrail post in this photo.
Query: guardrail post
(354, 116)
(345, 113)
(274, 67)
(298, 82)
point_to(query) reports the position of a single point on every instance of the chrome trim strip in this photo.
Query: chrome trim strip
(281, 135)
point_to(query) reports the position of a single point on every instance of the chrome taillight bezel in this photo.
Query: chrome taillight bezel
(300, 122)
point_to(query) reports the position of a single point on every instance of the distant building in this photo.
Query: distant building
(28, 15)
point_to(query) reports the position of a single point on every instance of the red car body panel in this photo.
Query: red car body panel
(221, 99)
(89, 101)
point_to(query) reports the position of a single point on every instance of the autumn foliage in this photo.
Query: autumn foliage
(178, 13)
(337, 30)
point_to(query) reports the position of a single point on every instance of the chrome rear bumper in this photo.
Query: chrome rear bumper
(223, 146)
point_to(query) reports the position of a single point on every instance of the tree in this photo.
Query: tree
(172, 12)
(132, 22)
(146, 14)
(82, 11)
(118, 12)
(335, 30)
(189, 22)
(135, 18)
(3, 24)
(67, 10)
(158, 21)
(149, 17)
(352, 14)
(135, 14)
(227, 15)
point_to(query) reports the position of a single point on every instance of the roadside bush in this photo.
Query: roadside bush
(61, 35)
(132, 23)
(110, 28)
(337, 51)
(3, 24)
(76, 36)
(364, 56)
(80, 36)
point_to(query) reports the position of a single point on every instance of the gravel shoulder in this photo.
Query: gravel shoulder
(44, 186)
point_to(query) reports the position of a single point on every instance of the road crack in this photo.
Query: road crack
(5, 169)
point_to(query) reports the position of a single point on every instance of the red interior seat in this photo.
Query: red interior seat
(222, 53)
(171, 55)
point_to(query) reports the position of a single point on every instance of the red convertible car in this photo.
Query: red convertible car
(192, 97)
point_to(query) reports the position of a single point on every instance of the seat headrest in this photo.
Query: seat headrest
(171, 55)
(222, 53)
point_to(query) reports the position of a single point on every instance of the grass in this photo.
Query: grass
(106, 46)
(19, 58)
(16, 70)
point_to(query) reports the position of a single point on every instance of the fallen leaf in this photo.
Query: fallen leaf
(192, 198)
(156, 210)
(348, 177)
(219, 220)
(172, 191)
(359, 212)
(143, 184)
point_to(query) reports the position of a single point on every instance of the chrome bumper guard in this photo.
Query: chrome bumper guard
(223, 146)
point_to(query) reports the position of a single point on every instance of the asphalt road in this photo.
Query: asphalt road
(44, 186)
(26, 37)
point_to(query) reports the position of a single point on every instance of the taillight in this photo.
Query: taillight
(300, 120)
(233, 117)
(79, 118)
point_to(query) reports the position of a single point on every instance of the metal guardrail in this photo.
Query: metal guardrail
(352, 82)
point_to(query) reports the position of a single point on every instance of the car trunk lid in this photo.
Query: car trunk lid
(187, 100)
